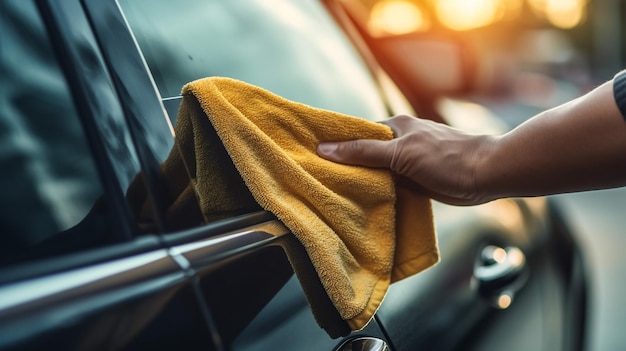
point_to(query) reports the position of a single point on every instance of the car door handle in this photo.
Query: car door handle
(500, 273)
(364, 344)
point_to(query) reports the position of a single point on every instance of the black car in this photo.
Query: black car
(90, 90)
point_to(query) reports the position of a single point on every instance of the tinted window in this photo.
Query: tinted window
(292, 48)
(50, 186)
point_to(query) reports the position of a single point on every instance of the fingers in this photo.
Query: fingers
(370, 153)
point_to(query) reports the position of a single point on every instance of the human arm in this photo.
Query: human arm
(580, 145)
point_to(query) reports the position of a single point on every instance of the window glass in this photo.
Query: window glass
(292, 48)
(51, 192)
(272, 311)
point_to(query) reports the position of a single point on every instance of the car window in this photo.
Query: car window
(292, 48)
(51, 194)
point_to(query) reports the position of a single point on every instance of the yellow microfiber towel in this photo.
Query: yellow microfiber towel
(361, 231)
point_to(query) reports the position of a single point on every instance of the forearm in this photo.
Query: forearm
(580, 145)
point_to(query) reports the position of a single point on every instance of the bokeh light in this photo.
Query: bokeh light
(394, 17)
(397, 17)
(504, 301)
(468, 14)
(499, 255)
(563, 14)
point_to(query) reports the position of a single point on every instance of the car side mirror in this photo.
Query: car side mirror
(424, 65)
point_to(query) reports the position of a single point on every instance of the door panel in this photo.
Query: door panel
(444, 305)
(133, 303)
(246, 277)
(239, 274)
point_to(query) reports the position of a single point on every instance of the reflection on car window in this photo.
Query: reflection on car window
(292, 48)
(49, 182)
(260, 289)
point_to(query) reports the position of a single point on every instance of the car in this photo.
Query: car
(90, 92)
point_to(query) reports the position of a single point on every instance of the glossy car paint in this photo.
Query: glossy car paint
(228, 285)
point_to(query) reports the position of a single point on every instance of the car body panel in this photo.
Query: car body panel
(233, 284)
(131, 298)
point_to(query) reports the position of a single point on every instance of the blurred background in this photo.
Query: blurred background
(527, 56)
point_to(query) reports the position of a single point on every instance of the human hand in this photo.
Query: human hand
(439, 160)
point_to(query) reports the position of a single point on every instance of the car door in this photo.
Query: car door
(243, 264)
(76, 272)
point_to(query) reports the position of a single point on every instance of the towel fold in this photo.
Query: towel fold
(360, 230)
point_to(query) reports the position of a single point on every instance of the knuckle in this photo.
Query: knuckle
(400, 124)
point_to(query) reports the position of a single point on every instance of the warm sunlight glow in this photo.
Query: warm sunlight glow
(561, 13)
(397, 17)
(468, 14)
(538, 6)
(512, 9)
(404, 16)
(565, 13)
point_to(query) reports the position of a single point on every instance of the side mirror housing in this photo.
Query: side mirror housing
(424, 65)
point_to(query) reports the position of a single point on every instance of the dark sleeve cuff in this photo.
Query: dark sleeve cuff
(619, 91)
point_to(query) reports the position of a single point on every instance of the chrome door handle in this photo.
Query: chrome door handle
(364, 344)
(500, 273)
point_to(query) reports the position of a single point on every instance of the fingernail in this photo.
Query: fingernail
(326, 148)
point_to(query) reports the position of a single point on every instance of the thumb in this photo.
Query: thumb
(363, 152)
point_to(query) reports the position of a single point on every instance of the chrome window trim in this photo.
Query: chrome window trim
(209, 250)
(79, 282)
(150, 264)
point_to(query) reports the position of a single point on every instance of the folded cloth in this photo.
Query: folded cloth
(360, 231)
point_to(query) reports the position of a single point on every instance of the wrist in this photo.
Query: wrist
(486, 173)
